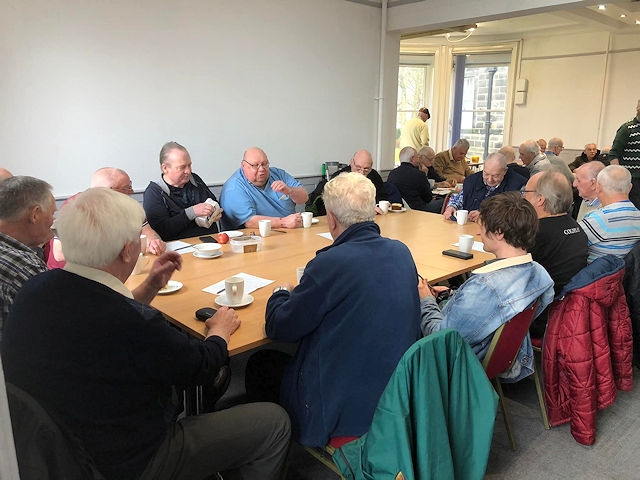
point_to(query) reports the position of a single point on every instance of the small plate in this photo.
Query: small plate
(315, 220)
(170, 287)
(207, 257)
(398, 211)
(233, 233)
(223, 302)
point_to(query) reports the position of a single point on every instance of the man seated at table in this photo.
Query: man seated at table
(452, 164)
(258, 192)
(426, 156)
(585, 184)
(362, 163)
(26, 217)
(118, 180)
(560, 245)
(532, 157)
(615, 227)
(103, 364)
(510, 154)
(500, 290)
(495, 178)
(354, 314)
(590, 154)
(413, 183)
(173, 202)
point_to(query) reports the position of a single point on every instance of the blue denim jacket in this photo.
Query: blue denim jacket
(493, 295)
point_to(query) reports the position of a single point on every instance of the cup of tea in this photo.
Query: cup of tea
(234, 289)
(462, 216)
(465, 243)
(384, 206)
(299, 273)
(306, 219)
(265, 228)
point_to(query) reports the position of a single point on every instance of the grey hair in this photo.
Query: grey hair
(17, 194)
(554, 187)
(531, 146)
(462, 143)
(554, 142)
(499, 158)
(167, 147)
(351, 197)
(406, 154)
(426, 150)
(614, 179)
(509, 152)
(586, 145)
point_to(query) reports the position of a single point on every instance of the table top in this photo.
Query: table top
(426, 235)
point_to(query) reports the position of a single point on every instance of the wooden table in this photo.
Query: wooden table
(426, 235)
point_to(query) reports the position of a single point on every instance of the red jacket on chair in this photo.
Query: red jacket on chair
(587, 348)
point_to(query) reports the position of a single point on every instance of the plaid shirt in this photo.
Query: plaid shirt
(457, 199)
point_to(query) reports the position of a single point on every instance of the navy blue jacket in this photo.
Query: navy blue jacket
(475, 189)
(413, 185)
(355, 312)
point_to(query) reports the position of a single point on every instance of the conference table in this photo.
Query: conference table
(426, 235)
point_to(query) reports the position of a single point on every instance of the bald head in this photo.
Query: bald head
(4, 174)
(585, 179)
(113, 178)
(361, 162)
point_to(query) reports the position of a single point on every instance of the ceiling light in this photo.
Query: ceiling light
(622, 15)
(602, 7)
(637, 22)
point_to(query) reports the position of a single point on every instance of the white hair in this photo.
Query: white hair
(614, 179)
(96, 225)
(351, 197)
(406, 154)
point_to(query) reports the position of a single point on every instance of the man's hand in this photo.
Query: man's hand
(280, 186)
(292, 221)
(156, 246)
(424, 290)
(203, 209)
(223, 324)
(379, 211)
(163, 268)
(448, 213)
(473, 215)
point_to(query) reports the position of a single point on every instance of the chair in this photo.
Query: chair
(502, 352)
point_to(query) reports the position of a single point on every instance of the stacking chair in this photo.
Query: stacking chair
(501, 355)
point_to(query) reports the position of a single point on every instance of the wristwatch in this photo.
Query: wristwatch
(279, 289)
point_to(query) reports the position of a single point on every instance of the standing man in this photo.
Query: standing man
(590, 154)
(26, 217)
(173, 202)
(415, 132)
(107, 363)
(258, 192)
(532, 157)
(362, 163)
(343, 314)
(413, 183)
(452, 163)
(585, 184)
(626, 152)
(615, 228)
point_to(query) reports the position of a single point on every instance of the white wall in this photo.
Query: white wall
(86, 84)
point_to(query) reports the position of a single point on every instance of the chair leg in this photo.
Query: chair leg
(543, 406)
(505, 414)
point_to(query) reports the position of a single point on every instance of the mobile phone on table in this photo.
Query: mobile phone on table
(458, 254)
(208, 239)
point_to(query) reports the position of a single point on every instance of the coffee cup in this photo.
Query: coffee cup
(143, 244)
(462, 216)
(299, 273)
(465, 243)
(432, 183)
(384, 206)
(234, 289)
(265, 228)
(306, 219)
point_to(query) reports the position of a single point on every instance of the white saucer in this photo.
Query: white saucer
(223, 302)
(233, 233)
(206, 257)
(315, 220)
(398, 211)
(170, 287)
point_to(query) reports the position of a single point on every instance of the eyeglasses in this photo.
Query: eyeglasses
(257, 167)
(523, 191)
(362, 170)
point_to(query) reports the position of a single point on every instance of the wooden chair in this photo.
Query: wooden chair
(501, 355)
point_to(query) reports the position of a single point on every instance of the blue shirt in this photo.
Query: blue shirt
(613, 229)
(241, 200)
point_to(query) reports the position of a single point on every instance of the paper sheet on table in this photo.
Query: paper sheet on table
(181, 247)
(326, 235)
(477, 246)
(251, 284)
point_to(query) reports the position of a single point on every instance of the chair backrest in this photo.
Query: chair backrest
(506, 342)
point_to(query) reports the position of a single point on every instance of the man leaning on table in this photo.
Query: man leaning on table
(257, 192)
(452, 163)
(107, 363)
(354, 297)
(362, 163)
(173, 202)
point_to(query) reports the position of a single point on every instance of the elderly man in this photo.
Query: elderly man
(258, 192)
(625, 151)
(362, 163)
(4, 174)
(413, 183)
(452, 163)
(174, 201)
(415, 132)
(498, 291)
(107, 364)
(615, 227)
(26, 217)
(532, 158)
(555, 148)
(585, 184)
(343, 319)
(493, 179)
(542, 143)
(426, 156)
(590, 154)
(510, 154)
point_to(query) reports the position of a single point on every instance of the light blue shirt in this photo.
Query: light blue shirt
(241, 200)
(613, 229)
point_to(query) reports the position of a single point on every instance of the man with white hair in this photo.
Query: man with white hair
(426, 156)
(452, 163)
(585, 183)
(510, 154)
(532, 157)
(625, 151)
(412, 182)
(103, 364)
(555, 148)
(590, 154)
(415, 133)
(614, 228)
(343, 319)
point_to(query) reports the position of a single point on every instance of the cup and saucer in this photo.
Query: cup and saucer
(207, 250)
(223, 301)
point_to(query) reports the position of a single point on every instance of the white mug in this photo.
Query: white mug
(461, 216)
(465, 243)
(143, 244)
(306, 219)
(265, 228)
(384, 206)
(234, 289)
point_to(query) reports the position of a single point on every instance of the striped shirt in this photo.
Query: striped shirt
(613, 229)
